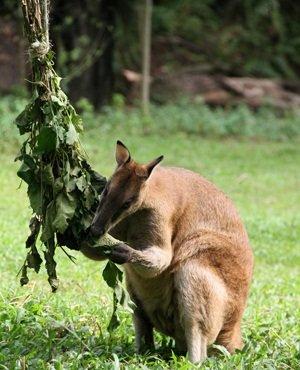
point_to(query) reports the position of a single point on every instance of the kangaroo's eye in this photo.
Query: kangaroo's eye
(127, 204)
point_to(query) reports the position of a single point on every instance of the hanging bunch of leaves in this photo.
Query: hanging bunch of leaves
(63, 189)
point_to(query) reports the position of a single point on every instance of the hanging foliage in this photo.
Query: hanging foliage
(63, 189)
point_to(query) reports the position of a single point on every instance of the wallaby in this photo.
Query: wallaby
(187, 257)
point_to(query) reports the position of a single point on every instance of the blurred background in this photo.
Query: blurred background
(240, 56)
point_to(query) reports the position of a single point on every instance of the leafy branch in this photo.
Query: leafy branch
(63, 189)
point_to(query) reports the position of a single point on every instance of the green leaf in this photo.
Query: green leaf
(86, 221)
(65, 209)
(26, 173)
(89, 197)
(222, 349)
(27, 169)
(66, 174)
(75, 171)
(75, 118)
(70, 185)
(56, 100)
(48, 230)
(61, 132)
(81, 183)
(71, 135)
(98, 181)
(119, 291)
(46, 109)
(28, 159)
(125, 301)
(58, 185)
(112, 274)
(47, 175)
(35, 197)
(115, 320)
(51, 264)
(46, 141)
(28, 117)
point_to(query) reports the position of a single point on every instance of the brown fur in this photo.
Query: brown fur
(188, 259)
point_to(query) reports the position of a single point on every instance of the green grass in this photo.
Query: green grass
(67, 330)
(183, 116)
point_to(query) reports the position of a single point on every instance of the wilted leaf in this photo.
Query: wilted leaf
(24, 278)
(51, 264)
(69, 239)
(71, 135)
(65, 209)
(48, 231)
(34, 260)
(34, 227)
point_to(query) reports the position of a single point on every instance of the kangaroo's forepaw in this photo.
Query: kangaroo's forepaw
(120, 254)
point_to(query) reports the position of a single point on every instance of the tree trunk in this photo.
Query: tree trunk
(146, 50)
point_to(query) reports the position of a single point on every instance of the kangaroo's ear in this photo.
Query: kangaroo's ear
(122, 154)
(145, 170)
(153, 163)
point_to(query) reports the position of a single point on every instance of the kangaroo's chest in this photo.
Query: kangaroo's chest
(157, 298)
(140, 230)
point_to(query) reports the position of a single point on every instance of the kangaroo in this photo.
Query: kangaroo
(186, 254)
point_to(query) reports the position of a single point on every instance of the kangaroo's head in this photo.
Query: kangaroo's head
(124, 191)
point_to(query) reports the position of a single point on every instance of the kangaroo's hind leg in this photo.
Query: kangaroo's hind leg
(201, 303)
(230, 337)
(143, 331)
(196, 342)
(142, 325)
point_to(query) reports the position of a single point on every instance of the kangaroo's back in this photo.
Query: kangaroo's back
(190, 203)
(203, 222)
